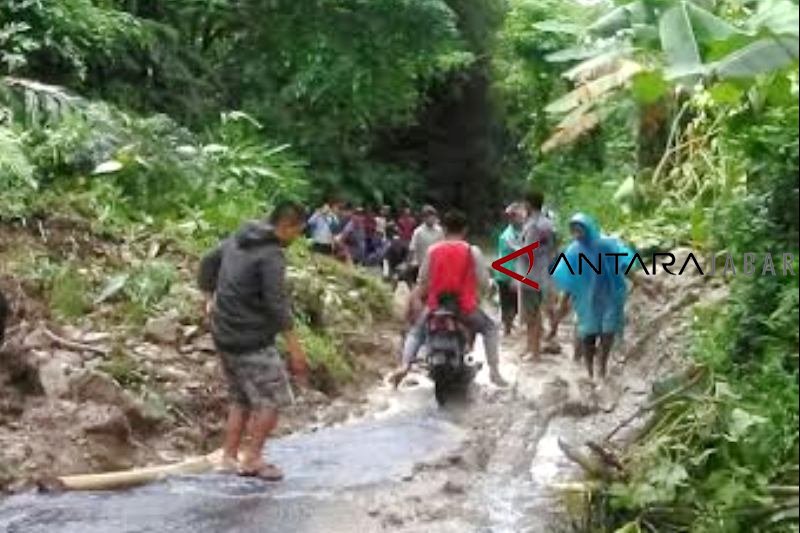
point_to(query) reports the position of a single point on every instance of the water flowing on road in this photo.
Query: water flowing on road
(489, 465)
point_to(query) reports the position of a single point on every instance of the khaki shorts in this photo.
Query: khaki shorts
(257, 380)
(533, 300)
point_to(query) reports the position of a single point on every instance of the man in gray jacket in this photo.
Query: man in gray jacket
(244, 279)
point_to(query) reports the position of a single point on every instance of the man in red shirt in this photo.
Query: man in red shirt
(454, 269)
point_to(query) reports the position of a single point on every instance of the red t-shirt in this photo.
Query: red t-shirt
(451, 269)
(405, 227)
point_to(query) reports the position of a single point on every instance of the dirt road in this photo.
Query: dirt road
(406, 466)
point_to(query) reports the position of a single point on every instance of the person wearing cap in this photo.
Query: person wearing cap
(425, 235)
(507, 243)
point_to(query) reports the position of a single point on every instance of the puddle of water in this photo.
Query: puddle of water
(319, 466)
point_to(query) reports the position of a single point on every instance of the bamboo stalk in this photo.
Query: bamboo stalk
(141, 476)
(783, 490)
(577, 486)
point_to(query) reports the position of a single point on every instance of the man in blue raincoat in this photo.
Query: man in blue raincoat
(591, 274)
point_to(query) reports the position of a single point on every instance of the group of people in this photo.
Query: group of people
(243, 279)
(248, 305)
(354, 234)
(597, 297)
(382, 237)
(455, 268)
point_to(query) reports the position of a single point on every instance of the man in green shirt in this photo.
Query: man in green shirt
(507, 243)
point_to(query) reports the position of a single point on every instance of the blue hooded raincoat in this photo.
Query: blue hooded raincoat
(597, 299)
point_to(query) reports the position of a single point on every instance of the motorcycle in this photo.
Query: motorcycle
(450, 366)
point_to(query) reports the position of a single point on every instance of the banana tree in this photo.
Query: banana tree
(654, 48)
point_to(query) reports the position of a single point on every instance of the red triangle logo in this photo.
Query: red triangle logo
(498, 265)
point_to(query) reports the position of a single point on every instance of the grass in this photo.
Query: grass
(324, 351)
(125, 370)
(69, 292)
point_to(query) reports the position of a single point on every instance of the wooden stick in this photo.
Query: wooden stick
(607, 456)
(141, 476)
(73, 345)
(697, 375)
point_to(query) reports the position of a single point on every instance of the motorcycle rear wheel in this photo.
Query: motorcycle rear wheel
(442, 384)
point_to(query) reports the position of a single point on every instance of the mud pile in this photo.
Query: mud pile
(103, 390)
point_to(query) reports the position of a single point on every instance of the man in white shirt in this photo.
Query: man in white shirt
(426, 234)
(321, 227)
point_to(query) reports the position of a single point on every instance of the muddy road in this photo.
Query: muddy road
(490, 465)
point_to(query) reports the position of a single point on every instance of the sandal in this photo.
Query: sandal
(266, 471)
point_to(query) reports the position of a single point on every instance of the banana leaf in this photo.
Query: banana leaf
(679, 43)
(595, 90)
(595, 67)
(619, 18)
(780, 17)
(580, 53)
(567, 132)
(764, 55)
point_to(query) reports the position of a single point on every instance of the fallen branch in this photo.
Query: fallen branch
(73, 345)
(140, 476)
(607, 456)
(590, 466)
(696, 374)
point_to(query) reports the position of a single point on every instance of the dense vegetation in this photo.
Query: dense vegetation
(684, 115)
(675, 122)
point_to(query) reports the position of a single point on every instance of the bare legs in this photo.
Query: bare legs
(260, 425)
(589, 349)
(234, 430)
(257, 424)
(534, 340)
(606, 342)
(537, 306)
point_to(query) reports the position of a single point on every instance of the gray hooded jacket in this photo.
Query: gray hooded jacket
(246, 274)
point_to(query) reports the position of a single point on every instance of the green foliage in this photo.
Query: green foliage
(16, 173)
(66, 38)
(330, 294)
(65, 285)
(720, 457)
(524, 80)
(694, 46)
(125, 370)
(120, 169)
(326, 356)
(714, 456)
(326, 76)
